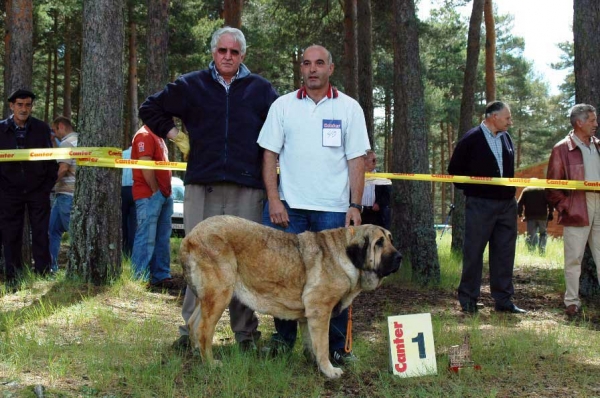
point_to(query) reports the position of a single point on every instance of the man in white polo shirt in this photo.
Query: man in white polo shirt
(320, 137)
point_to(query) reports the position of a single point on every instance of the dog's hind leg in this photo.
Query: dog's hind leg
(208, 311)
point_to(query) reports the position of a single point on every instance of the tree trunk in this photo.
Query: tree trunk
(67, 78)
(157, 42)
(490, 52)
(132, 92)
(55, 71)
(18, 72)
(350, 52)
(365, 66)
(296, 56)
(467, 110)
(48, 85)
(442, 165)
(157, 69)
(19, 51)
(387, 150)
(232, 13)
(95, 253)
(586, 20)
(412, 222)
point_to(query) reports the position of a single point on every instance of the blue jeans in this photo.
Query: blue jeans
(315, 221)
(152, 246)
(60, 216)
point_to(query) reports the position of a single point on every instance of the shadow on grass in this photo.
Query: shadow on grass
(63, 293)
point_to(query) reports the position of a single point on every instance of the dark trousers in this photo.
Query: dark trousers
(128, 219)
(12, 219)
(370, 216)
(495, 222)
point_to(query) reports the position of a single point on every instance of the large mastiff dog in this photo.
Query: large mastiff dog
(305, 277)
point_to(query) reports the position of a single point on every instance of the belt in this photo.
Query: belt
(367, 208)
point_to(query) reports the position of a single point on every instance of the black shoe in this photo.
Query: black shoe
(12, 286)
(276, 348)
(183, 343)
(469, 308)
(165, 284)
(247, 346)
(510, 307)
(340, 357)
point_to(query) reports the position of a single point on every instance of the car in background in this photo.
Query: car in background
(177, 192)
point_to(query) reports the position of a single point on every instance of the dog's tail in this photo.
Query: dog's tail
(188, 262)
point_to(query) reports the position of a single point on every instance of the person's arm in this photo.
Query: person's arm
(556, 171)
(277, 212)
(520, 204)
(149, 176)
(158, 110)
(62, 169)
(356, 170)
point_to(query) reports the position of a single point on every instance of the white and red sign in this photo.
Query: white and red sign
(412, 350)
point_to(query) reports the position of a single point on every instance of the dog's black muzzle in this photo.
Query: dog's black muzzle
(390, 264)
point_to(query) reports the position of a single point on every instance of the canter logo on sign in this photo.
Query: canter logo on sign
(412, 351)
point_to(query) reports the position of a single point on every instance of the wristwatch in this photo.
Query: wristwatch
(357, 206)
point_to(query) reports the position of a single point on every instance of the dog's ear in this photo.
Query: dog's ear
(358, 253)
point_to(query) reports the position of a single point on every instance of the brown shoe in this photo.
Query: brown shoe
(572, 310)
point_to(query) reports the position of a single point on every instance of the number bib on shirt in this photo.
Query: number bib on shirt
(332, 133)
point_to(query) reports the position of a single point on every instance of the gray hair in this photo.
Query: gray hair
(580, 112)
(494, 107)
(237, 34)
(329, 57)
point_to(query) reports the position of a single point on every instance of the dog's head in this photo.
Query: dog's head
(371, 250)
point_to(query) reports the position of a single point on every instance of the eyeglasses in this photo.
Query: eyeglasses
(233, 52)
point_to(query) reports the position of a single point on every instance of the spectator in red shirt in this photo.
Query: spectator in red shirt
(151, 257)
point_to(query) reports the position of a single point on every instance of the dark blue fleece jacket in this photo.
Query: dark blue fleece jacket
(223, 125)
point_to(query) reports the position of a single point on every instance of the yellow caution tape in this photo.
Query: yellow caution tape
(111, 157)
(132, 164)
(58, 153)
(513, 182)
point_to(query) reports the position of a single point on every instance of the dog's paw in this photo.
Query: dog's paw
(333, 373)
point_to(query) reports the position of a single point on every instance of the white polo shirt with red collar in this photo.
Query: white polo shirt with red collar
(315, 143)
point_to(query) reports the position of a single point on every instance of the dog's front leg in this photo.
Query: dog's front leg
(318, 328)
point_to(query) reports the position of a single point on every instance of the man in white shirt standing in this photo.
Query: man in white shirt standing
(319, 135)
(60, 216)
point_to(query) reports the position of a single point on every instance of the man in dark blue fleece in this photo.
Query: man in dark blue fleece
(223, 108)
(490, 211)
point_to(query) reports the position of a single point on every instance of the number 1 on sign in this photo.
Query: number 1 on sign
(420, 340)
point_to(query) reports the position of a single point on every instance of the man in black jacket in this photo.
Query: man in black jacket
(490, 211)
(538, 211)
(223, 108)
(25, 184)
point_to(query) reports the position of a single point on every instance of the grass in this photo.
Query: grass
(77, 340)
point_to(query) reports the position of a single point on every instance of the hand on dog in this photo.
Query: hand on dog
(278, 213)
(353, 217)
